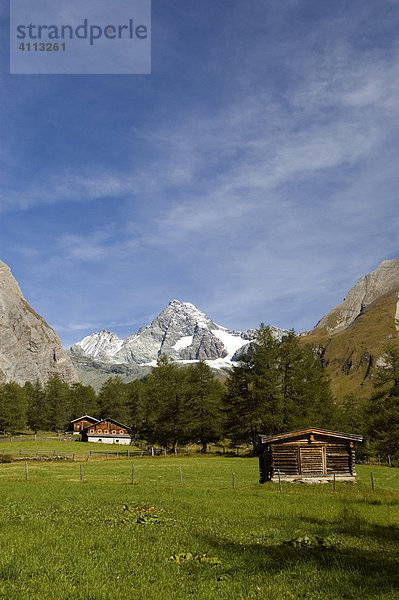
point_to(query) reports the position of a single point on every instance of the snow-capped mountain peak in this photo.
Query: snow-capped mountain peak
(181, 331)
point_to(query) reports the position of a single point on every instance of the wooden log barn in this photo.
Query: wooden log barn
(308, 454)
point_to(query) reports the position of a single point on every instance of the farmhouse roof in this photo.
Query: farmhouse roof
(85, 417)
(108, 420)
(264, 439)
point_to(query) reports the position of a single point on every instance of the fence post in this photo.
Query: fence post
(389, 460)
(279, 482)
(26, 471)
(128, 453)
(54, 452)
(152, 451)
(132, 474)
(234, 481)
(81, 473)
(334, 483)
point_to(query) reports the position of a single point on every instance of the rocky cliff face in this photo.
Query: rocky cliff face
(353, 336)
(29, 348)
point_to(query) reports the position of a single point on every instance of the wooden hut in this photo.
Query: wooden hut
(315, 454)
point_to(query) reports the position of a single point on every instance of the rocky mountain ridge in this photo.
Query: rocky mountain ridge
(352, 338)
(383, 280)
(29, 349)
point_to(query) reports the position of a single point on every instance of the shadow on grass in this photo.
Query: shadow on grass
(375, 502)
(343, 570)
(359, 567)
(352, 524)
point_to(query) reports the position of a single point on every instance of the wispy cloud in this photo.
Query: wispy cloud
(95, 246)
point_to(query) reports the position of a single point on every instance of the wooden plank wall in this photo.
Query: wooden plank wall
(285, 459)
(312, 460)
(338, 458)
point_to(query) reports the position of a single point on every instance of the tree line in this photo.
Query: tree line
(278, 385)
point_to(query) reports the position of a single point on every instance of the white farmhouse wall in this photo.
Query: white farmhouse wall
(109, 440)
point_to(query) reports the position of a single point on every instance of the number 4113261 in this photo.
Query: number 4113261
(42, 47)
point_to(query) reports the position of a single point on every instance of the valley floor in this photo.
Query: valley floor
(103, 538)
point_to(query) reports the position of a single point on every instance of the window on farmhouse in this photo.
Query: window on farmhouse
(99, 430)
(105, 430)
(113, 431)
(91, 430)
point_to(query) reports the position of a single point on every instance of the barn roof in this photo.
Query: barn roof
(264, 439)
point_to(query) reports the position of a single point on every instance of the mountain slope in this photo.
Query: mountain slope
(352, 337)
(29, 348)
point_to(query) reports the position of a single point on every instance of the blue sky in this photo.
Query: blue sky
(254, 173)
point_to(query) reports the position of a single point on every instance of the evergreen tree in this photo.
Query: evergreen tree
(136, 402)
(13, 407)
(82, 400)
(267, 397)
(243, 418)
(113, 401)
(382, 411)
(350, 415)
(311, 401)
(204, 395)
(38, 408)
(167, 408)
(279, 386)
(57, 400)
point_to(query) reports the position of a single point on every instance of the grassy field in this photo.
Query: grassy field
(80, 449)
(105, 538)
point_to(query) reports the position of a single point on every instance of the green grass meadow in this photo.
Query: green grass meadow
(63, 538)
